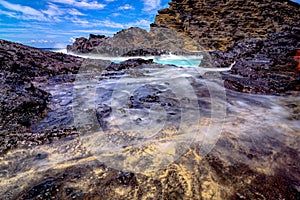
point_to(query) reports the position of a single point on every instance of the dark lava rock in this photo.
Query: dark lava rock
(102, 111)
(146, 52)
(83, 45)
(219, 24)
(22, 102)
(262, 66)
(45, 190)
(127, 178)
(130, 63)
(147, 96)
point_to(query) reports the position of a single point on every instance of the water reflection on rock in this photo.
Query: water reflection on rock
(255, 157)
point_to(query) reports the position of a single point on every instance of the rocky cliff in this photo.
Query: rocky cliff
(219, 24)
(195, 25)
(133, 41)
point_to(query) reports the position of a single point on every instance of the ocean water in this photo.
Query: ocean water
(180, 61)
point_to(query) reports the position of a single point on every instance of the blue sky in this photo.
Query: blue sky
(55, 23)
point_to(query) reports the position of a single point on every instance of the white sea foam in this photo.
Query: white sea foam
(61, 51)
(170, 59)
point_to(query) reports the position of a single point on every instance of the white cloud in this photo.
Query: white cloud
(53, 13)
(93, 31)
(116, 14)
(141, 23)
(84, 4)
(12, 30)
(9, 14)
(46, 43)
(53, 10)
(78, 21)
(40, 41)
(109, 0)
(151, 5)
(126, 7)
(111, 24)
(28, 12)
(72, 39)
(75, 12)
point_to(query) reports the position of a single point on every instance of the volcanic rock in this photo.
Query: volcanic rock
(219, 24)
(130, 63)
(22, 102)
(132, 42)
(262, 66)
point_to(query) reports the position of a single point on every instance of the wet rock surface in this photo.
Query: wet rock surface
(252, 159)
(43, 155)
(129, 64)
(23, 103)
(262, 66)
(146, 52)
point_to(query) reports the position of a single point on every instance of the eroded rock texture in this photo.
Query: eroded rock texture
(219, 24)
(22, 102)
(255, 157)
(262, 66)
(133, 42)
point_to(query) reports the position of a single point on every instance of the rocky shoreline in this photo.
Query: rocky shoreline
(42, 150)
(265, 66)
(61, 167)
(23, 103)
(262, 66)
(261, 42)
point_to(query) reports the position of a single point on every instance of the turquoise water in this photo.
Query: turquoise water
(182, 61)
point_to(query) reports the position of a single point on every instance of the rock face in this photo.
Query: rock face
(132, 42)
(219, 24)
(83, 45)
(196, 25)
(131, 63)
(262, 66)
(22, 102)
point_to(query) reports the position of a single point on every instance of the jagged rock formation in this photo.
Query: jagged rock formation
(84, 45)
(132, 42)
(262, 66)
(219, 24)
(197, 25)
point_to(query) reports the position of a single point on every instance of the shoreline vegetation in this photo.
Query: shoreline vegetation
(46, 154)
